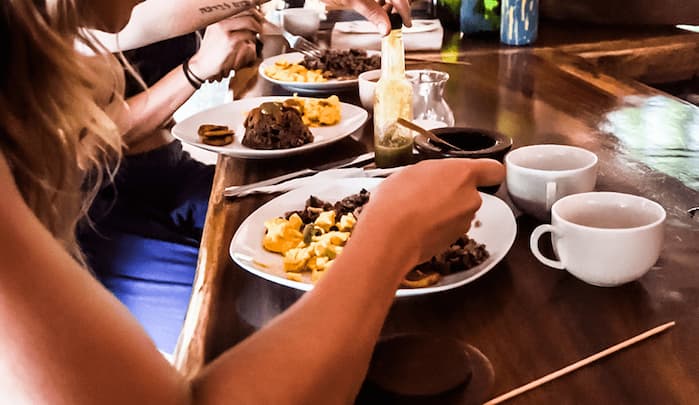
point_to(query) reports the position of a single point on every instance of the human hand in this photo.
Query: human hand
(227, 45)
(376, 12)
(420, 210)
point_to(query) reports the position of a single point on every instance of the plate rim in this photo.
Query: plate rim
(428, 25)
(241, 259)
(257, 154)
(304, 86)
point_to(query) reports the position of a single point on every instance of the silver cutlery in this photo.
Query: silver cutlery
(301, 44)
(233, 191)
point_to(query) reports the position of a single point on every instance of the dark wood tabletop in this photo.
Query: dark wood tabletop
(521, 320)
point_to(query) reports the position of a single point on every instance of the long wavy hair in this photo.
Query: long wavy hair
(54, 132)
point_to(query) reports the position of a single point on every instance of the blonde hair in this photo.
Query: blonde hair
(55, 135)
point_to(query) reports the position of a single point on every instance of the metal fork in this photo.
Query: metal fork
(301, 44)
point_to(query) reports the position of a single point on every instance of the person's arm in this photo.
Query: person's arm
(320, 347)
(227, 45)
(157, 20)
(71, 342)
(65, 339)
(652, 12)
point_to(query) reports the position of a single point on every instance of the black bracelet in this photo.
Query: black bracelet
(190, 76)
(197, 78)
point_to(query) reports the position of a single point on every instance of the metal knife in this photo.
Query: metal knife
(363, 159)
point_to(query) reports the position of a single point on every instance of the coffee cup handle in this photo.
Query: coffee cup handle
(551, 189)
(534, 246)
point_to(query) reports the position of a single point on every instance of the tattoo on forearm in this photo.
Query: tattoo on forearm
(227, 5)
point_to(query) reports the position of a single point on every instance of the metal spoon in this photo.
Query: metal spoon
(429, 134)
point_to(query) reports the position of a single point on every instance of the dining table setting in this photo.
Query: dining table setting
(582, 281)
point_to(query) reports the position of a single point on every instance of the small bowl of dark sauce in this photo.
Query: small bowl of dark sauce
(475, 143)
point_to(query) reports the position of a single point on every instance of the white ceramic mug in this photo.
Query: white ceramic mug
(367, 84)
(539, 175)
(603, 238)
(301, 21)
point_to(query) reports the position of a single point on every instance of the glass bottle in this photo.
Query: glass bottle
(480, 18)
(393, 98)
(430, 109)
(520, 22)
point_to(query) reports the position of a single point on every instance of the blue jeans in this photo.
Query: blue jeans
(144, 242)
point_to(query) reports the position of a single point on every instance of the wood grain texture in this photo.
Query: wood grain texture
(525, 318)
(648, 54)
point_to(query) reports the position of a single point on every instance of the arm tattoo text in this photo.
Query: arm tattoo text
(227, 5)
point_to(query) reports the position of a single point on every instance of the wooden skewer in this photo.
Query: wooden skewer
(581, 363)
(416, 59)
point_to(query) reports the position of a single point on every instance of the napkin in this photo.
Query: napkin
(424, 35)
(327, 176)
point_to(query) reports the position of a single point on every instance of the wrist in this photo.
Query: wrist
(196, 69)
(397, 253)
(193, 79)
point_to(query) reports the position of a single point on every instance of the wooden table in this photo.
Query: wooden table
(526, 319)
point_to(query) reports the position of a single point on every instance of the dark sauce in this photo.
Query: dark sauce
(470, 141)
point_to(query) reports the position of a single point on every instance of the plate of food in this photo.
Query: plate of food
(334, 69)
(271, 127)
(293, 239)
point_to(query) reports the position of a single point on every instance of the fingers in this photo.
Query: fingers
(244, 54)
(377, 12)
(488, 172)
(373, 12)
(476, 172)
(403, 8)
(255, 13)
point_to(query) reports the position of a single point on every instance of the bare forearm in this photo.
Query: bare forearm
(71, 342)
(152, 109)
(318, 350)
(156, 20)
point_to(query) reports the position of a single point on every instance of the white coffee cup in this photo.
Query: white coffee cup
(603, 238)
(301, 21)
(367, 84)
(539, 175)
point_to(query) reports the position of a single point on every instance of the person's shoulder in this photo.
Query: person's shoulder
(11, 197)
(7, 180)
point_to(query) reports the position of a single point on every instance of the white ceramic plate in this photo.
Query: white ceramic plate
(497, 231)
(295, 57)
(234, 114)
(367, 27)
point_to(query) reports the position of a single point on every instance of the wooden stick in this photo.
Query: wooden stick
(580, 363)
(416, 59)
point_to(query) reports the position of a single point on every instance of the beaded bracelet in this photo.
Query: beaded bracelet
(191, 77)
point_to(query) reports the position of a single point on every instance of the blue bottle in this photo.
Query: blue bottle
(519, 22)
(479, 16)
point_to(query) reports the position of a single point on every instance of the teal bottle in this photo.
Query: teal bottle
(480, 17)
(520, 22)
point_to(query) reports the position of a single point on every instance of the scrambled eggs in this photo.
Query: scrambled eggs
(308, 247)
(293, 72)
(317, 112)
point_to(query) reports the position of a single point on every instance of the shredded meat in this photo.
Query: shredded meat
(343, 63)
(314, 206)
(463, 254)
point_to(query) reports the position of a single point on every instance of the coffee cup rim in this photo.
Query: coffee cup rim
(659, 221)
(508, 159)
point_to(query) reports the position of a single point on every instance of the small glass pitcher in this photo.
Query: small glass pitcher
(430, 109)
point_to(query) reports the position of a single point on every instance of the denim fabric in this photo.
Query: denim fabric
(144, 241)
